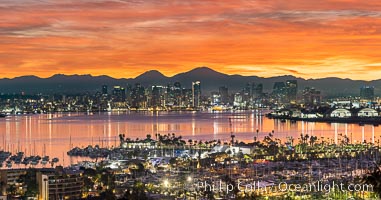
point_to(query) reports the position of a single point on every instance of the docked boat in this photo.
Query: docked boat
(45, 160)
(9, 164)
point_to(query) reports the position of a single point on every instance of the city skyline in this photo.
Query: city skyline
(332, 38)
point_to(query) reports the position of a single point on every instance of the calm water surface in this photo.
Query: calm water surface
(55, 134)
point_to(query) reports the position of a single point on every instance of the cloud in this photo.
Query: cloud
(275, 37)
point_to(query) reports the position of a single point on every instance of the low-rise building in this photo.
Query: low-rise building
(341, 113)
(367, 112)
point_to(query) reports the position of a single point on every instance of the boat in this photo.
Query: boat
(2, 115)
(9, 164)
(45, 160)
(34, 162)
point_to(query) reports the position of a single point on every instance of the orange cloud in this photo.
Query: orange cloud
(125, 38)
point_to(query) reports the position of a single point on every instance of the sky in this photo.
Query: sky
(124, 38)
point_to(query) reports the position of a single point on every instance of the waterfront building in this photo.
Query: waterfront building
(367, 112)
(196, 94)
(238, 100)
(139, 144)
(216, 98)
(341, 113)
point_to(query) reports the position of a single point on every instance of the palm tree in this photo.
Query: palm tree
(148, 136)
(232, 136)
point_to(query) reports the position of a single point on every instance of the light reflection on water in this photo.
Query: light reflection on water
(61, 131)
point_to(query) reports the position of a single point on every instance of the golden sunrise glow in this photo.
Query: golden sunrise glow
(309, 39)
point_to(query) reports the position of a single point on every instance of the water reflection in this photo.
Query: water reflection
(60, 132)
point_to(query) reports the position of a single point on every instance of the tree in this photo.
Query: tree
(373, 177)
(108, 195)
(30, 181)
(136, 192)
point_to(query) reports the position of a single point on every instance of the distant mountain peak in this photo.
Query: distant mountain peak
(203, 69)
(151, 74)
(203, 72)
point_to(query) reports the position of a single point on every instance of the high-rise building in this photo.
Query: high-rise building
(104, 90)
(311, 96)
(279, 91)
(246, 92)
(196, 94)
(224, 92)
(279, 88)
(119, 93)
(367, 92)
(216, 98)
(138, 96)
(291, 90)
(256, 90)
(157, 96)
(238, 100)
(187, 97)
(170, 98)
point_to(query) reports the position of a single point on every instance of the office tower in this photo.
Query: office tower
(258, 91)
(119, 93)
(311, 97)
(196, 94)
(187, 97)
(104, 90)
(367, 92)
(279, 88)
(216, 98)
(224, 92)
(157, 96)
(138, 96)
(291, 90)
(177, 93)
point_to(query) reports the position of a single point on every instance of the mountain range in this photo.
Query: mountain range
(210, 79)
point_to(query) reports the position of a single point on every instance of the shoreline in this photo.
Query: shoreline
(352, 120)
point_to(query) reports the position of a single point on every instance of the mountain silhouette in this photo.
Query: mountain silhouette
(210, 80)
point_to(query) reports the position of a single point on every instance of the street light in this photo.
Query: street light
(166, 183)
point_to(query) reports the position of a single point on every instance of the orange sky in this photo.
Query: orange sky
(124, 38)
